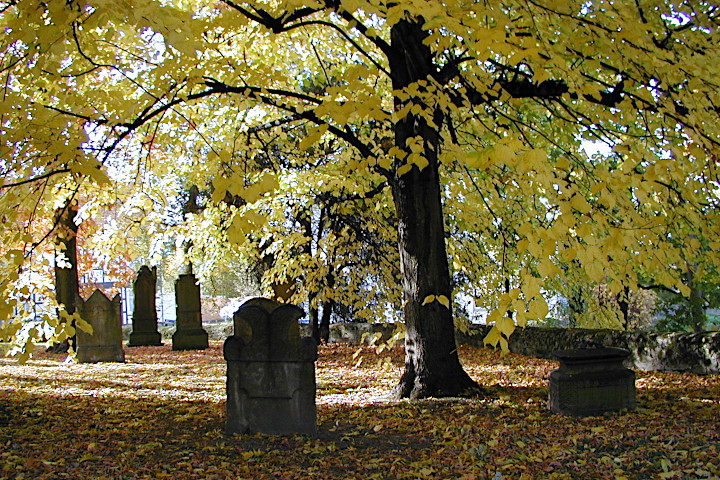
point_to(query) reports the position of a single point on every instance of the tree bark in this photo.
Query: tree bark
(328, 307)
(695, 300)
(67, 286)
(324, 331)
(314, 322)
(623, 301)
(432, 366)
(577, 305)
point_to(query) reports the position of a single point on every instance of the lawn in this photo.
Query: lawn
(161, 415)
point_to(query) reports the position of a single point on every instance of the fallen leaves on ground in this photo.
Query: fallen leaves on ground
(162, 414)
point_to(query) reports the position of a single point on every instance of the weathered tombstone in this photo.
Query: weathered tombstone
(145, 321)
(189, 333)
(105, 343)
(270, 371)
(591, 381)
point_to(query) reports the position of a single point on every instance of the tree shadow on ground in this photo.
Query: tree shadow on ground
(93, 428)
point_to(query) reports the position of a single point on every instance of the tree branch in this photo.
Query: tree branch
(275, 123)
(35, 179)
(657, 286)
(346, 36)
(279, 24)
(526, 88)
(360, 27)
(330, 199)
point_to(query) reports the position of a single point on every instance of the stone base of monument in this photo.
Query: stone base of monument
(591, 381)
(104, 353)
(190, 340)
(143, 339)
(271, 398)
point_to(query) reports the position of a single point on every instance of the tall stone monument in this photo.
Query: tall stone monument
(145, 321)
(189, 334)
(270, 371)
(105, 343)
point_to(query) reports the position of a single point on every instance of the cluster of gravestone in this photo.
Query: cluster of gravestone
(104, 314)
(271, 368)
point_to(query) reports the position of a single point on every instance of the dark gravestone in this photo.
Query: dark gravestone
(591, 381)
(105, 343)
(145, 328)
(270, 371)
(189, 333)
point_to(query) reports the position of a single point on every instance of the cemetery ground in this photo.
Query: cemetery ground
(162, 413)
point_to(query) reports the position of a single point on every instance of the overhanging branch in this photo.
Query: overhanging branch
(35, 179)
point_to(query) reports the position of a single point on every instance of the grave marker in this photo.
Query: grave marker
(189, 333)
(145, 321)
(105, 343)
(270, 371)
(591, 381)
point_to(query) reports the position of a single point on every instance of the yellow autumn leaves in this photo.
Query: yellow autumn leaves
(245, 220)
(441, 299)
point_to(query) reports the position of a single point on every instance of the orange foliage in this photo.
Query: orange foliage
(117, 270)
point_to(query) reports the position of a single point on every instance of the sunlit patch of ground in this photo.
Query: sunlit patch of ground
(161, 415)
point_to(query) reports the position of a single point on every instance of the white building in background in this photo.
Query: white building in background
(476, 315)
(164, 302)
(164, 306)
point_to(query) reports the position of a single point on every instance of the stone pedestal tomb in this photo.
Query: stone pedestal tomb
(591, 381)
(144, 321)
(105, 343)
(270, 371)
(189, 333)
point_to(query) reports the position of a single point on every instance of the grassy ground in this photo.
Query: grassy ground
(161, 415)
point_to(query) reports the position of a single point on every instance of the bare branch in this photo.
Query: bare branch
(279, 24)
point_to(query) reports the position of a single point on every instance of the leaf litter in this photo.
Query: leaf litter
(161, 415)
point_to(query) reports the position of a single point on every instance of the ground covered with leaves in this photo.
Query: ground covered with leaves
(161, 415)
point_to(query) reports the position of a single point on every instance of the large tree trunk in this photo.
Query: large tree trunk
(432, 366)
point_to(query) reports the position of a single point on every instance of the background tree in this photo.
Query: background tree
(331, 238)
(67, 281)
(347, 252)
